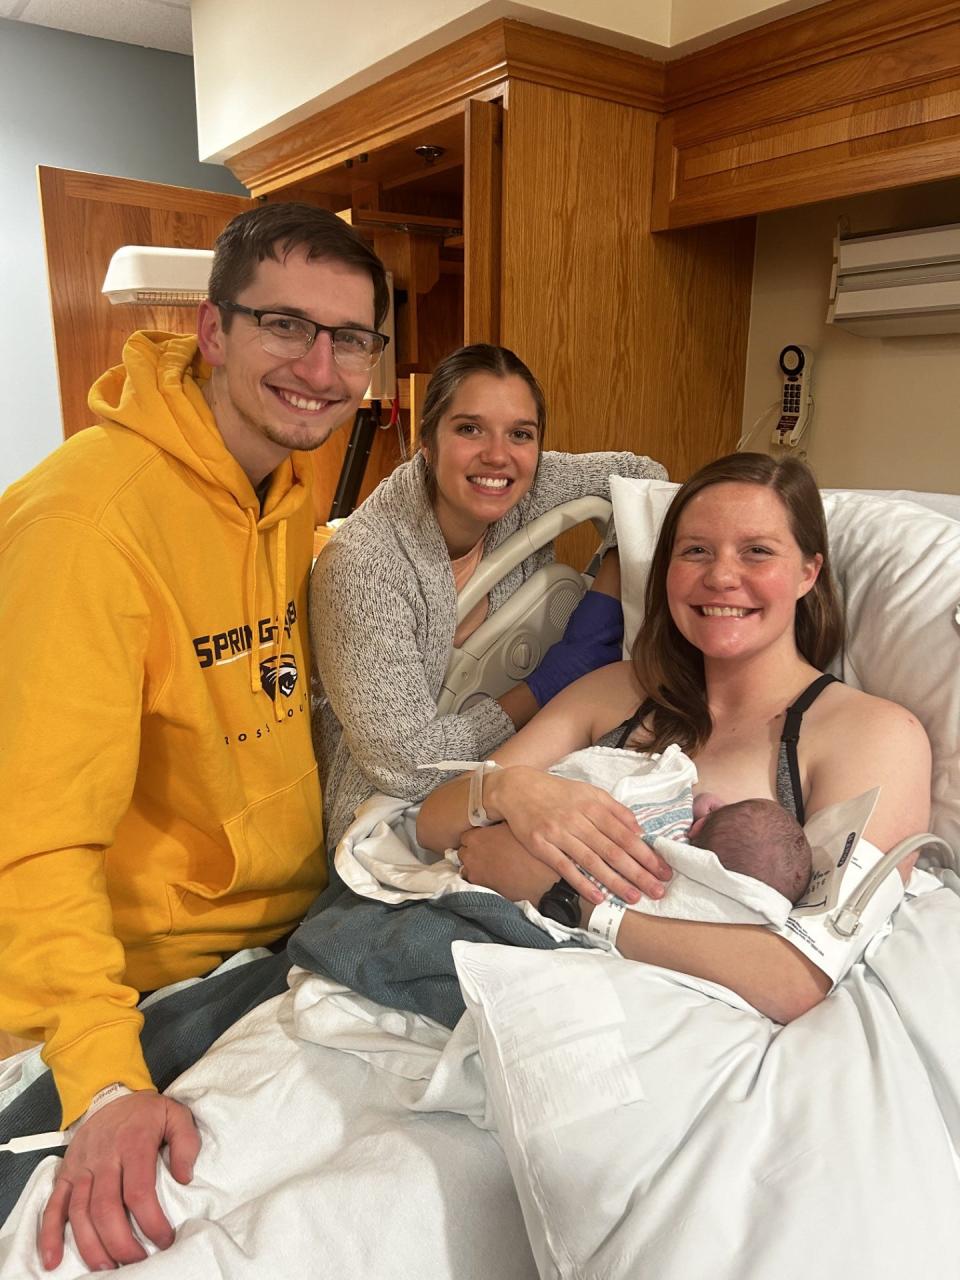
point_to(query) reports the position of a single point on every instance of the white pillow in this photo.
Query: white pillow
(594, 1066)
(897, 566)
(656, 1126)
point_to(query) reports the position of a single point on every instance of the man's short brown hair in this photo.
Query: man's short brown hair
(273, 231)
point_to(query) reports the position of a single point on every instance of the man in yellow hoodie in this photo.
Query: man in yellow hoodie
(161, 803)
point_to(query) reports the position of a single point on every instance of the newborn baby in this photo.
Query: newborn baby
(742, 863)
(754, 838)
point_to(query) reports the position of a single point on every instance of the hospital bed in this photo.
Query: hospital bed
(590, 1118)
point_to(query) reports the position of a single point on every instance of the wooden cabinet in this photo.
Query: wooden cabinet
(540, 148)
(848, 97)
(507, 181)
(86, 217)
(590, 208)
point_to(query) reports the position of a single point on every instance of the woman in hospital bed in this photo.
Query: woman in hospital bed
(479, 475)
(741, 619)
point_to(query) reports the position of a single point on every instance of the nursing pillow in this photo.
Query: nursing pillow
(897, 565)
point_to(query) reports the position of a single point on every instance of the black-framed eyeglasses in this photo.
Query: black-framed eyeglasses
(282, 334)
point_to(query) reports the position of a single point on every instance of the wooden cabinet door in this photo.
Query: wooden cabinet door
(482, 215)
(86, 217)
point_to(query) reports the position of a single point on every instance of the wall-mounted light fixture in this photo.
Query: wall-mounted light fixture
(155, 276)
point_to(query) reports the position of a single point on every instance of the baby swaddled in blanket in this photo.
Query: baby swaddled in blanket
(742, 863)
(749, 874)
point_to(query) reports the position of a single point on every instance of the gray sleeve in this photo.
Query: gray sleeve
(565, 476)
(367, 623)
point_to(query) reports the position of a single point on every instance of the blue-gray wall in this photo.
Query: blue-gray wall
(73, 102)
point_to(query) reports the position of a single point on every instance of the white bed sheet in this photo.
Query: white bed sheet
(314, 1162)
(826, 1148)
(341, 1138)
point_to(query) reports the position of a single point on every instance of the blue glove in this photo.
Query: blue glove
(593, 638)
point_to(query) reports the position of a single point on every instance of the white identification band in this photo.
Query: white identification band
(476, 813)
(61, 1137)
(37, 1142)
(109, 1093)
(605, 920)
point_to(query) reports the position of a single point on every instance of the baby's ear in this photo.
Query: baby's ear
(695, 828)
(704, 804)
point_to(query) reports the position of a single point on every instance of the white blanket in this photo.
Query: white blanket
(313, 1163)
(341, 1138)
(657, 787)
(657, 1126)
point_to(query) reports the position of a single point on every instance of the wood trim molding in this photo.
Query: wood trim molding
(433, 88)
(875, 105)
(583, 66)
(101, 188)
(852, 96)
(834, 30)
(482, 222)
(438, 86)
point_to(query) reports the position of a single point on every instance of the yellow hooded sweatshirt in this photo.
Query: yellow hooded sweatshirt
(161, 807)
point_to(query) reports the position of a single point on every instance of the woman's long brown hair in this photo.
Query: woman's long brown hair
(668, 667)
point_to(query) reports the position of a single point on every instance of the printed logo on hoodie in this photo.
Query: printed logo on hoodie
(279, 673)
(222, 647)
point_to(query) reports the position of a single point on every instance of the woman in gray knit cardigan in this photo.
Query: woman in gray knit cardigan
(383, 596)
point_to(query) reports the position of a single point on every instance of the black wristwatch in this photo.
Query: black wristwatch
(561, 903)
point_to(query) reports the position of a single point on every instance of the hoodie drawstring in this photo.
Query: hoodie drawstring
(279, 611)
(251, 593)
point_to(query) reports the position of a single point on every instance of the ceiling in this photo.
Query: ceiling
(155, 24)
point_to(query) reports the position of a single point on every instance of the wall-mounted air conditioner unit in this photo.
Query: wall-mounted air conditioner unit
(904, 282)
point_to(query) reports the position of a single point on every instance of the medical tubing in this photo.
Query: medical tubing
(846, 921)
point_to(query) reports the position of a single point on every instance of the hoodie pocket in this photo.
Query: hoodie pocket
(275, 845)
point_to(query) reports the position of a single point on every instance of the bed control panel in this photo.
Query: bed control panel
(510, 642)
(796, 403)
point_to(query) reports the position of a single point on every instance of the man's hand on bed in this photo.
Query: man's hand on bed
(109, 1175)
(569, 825)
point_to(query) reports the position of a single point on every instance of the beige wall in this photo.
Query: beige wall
(695, 23)
(887, 412)
(261, 66)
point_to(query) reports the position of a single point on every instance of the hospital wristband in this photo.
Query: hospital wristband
(109, 1093)
(476, 813)
(605, 920)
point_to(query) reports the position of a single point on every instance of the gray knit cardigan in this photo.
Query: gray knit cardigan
(382, 617)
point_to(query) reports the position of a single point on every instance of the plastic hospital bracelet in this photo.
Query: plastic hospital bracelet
(109, 1093)
(36, 1142)
(605, 920)
(476, 813)
(61, 1137)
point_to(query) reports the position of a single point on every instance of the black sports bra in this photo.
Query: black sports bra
(789, 793)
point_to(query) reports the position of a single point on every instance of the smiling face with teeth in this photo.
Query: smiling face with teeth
(484, 456)
(736, 572)
(266, 405)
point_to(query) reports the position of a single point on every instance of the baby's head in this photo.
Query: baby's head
(756, 838)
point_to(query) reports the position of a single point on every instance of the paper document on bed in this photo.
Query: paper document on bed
(841, 860)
